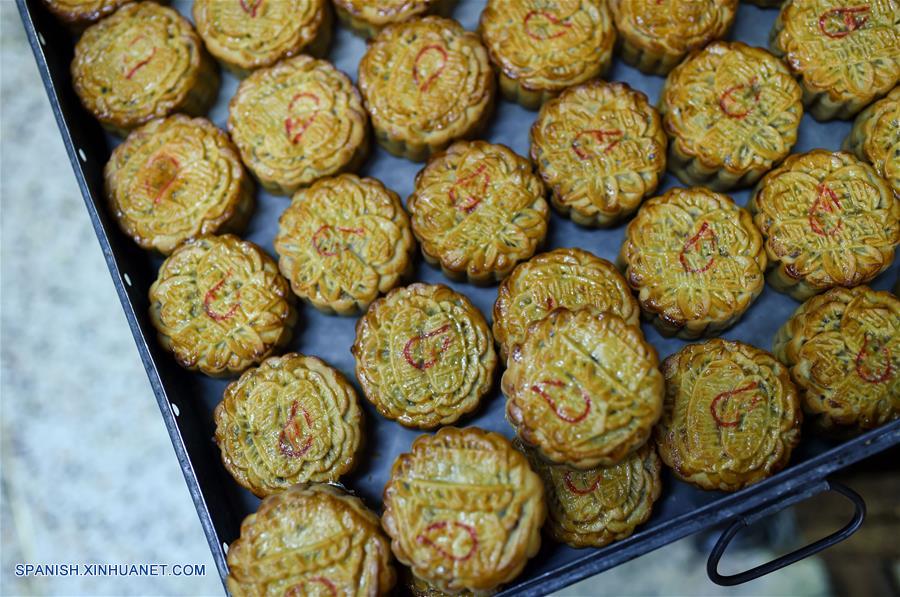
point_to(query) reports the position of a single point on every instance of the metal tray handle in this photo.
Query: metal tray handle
(727, 580)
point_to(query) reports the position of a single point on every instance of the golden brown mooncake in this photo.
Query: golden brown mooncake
(420, 588)
(425, 83)
(845, 53)
(312, 539)
(291, 420)
(143, 62)
(583, 388)
(695, 259)
(219, 305)
(731, 415)
(570, 278)
(828, 220)
(875, 138)
(177, 178)
(654, 35)
(600, 148)
(248, 34)
(78, 14)
(843, 350)
(732, 112)
(477, 210)
(595, 507)
(368, 17)
(463, 510)
(424, 355)
(296, 122)
(343, 241)
(540, 48)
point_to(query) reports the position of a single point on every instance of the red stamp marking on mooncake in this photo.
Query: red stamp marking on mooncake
(694, 244)
(863, 359)
(251, 7)
(141, 63)
(847, 17)
(570, 485)
(607, 139)
(729, 394)
(471, 200)
(301, 589)
(292, 442)
(429, 49)
(210, 298)
(295, 127)
(826, 202)
(164, 170)
(538, 389)
(410, 345)
(443, 527)
(319, 237)
(561, 26)
(733, 106)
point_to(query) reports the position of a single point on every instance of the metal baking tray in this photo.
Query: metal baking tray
(186, 400)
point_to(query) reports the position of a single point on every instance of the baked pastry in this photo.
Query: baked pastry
(583, 388)
(424, 355)
(420, 588)
(595, 507)
(695, 259)
(177, 178)
(844, 53)
(477, 210)
(731, 416)
(78, 14)
(732, 112)
(601, 149)
(654, 37)
(296, 122)
(368, 17)
(425, 83)
(250, 34)
(463, 510)
(828, 220)
(219, 305)
(292, 419)
(343, 241)
(541, 48)
(875, 138)
(570, 278)
(843, 350)
(310, 540)
(143, 62)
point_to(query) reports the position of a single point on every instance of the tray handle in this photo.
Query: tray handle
(727, 580)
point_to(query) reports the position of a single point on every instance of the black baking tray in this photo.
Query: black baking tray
(186, 400)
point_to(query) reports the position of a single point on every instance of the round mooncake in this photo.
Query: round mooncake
(368, 17)
(845, 53)
(875, 138)
(220, 305)
(585, 389)
(600, 149)
(595, 507)
(296, 122)
(828, 220)
(343, 241)
(420, 588)
(570, 278)
(732, 112)
(464, 510)
(654, 35)
(310, 540)
(540, 48)
(248, 34)
(843, 349)
(78, 14)
(426, 82)
(695, 259)
(731, 415)
(177, 178)
(477, 210)
(424, 355)
(143, 62)
(292, 419)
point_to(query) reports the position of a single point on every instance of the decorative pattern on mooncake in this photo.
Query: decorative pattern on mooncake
(368, 17)
(875, 138)
(77, 14)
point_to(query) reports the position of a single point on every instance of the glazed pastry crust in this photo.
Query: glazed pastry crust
(424, 355)
(844, 53)
(570, 278)
(310, 537)
(367, 17)
(426, 83)
(220, 305)
(296, 122)
(731, 416)
(477, 210)
(177, 178)
(292, 419)
(843, 350)
(875, 138)
(828, 220)
(539, 48)
(600, 149)
(80, 13)
(342, 242)
(696, 261)
(143, 62)
(584, 389)
(463, 510)
(732, 112)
